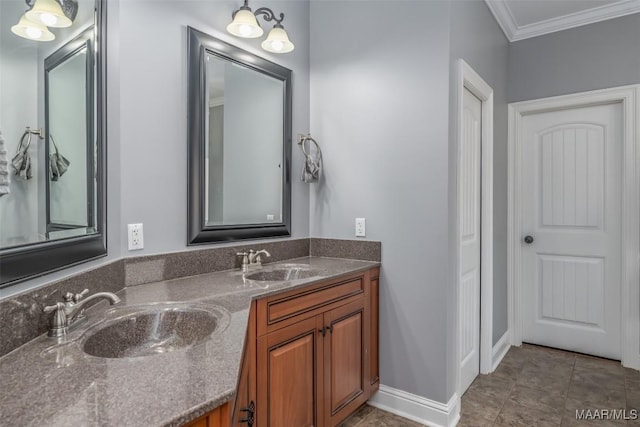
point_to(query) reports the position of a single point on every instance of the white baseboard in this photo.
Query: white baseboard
(500, 350)
(417, 408)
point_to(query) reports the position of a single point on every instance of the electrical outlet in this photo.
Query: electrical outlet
(136, 238)
(361, 227)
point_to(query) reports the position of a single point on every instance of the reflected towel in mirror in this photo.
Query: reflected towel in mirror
(4, 168)
(58, 164)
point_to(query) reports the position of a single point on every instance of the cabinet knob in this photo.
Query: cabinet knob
(323, 331)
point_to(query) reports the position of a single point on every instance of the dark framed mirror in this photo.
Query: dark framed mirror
(69, 109)
(54, 216)
(239, 137)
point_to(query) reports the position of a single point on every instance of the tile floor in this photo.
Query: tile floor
(536, 386)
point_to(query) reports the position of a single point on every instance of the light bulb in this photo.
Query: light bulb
(245, 30)
(48, 19)
(277, 41)
(49, 13)
(33, 33)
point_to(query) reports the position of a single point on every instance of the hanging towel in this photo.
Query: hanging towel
(21, 162)
(312, 163)
(58, 164)
(4, 168)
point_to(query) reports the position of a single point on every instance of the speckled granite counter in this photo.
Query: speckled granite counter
(53, 382)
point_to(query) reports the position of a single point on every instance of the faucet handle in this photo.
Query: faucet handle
(55, 307)
(78, 297)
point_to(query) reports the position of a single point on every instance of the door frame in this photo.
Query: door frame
(470, 80)
(629, 98)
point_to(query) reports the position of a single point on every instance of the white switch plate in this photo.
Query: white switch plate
(361, 229)
(136, 238)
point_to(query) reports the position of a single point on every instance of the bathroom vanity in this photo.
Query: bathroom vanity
(310, 357)
(293, 343)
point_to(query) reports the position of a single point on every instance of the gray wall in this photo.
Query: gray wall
(597, 56)
(477, 38)
(379, 109)
(153, 110)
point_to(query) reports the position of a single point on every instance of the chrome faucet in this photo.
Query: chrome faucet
(252, 258)
(255, 258)
(70, 314)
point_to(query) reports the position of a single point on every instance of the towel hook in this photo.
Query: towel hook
(38, 132)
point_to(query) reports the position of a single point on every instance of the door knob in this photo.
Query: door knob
(528, 240)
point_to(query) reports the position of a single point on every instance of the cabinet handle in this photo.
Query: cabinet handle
(323, 331)
(250, 410)
(330, 328)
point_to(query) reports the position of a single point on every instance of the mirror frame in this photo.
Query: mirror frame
(25, 262)
(199, 45)
(73, 47)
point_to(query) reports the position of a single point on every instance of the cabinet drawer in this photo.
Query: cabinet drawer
(311, 300)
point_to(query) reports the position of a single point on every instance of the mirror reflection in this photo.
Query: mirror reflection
(69, 111)
(47, 121)
(243, 165)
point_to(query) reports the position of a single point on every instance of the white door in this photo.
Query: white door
(469, 223)
(571, 215)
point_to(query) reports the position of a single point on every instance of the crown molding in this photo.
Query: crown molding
(514, 32)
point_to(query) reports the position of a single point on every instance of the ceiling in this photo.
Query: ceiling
(522, 19)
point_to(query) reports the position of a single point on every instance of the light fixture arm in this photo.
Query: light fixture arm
(69, 7)
(268, 15)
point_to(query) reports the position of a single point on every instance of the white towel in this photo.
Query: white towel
(4, 168)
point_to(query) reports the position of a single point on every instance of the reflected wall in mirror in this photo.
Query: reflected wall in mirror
(240, 143)
(53, 216)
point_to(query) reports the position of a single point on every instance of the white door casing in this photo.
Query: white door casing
(469, 81)
(469, 245)
(571, 208)
(628, 100)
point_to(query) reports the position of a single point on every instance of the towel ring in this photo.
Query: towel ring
(304, 138)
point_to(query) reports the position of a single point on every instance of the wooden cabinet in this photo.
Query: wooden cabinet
(314, 353)
(219, 417)
(310, 357)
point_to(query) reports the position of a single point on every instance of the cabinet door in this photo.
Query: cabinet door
(344, 361)
(289, 376)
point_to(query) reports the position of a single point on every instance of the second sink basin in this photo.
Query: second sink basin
(152, 331)
(284, 273)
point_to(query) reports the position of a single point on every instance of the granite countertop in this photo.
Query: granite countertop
(53, 382)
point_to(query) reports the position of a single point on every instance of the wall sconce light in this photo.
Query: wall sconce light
(245, 24)
(32, 30)
(42, 14)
